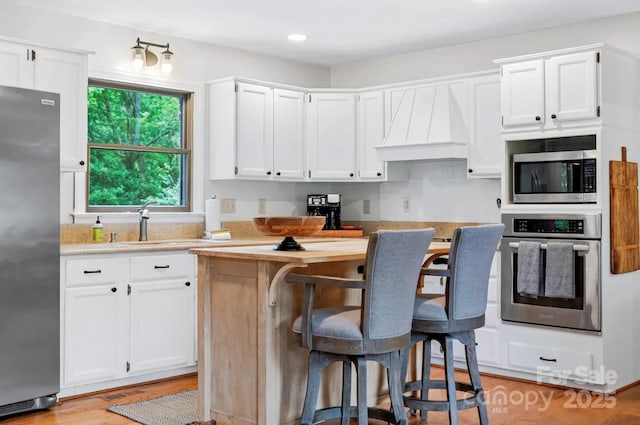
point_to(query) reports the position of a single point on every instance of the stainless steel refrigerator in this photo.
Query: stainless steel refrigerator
(29, 249)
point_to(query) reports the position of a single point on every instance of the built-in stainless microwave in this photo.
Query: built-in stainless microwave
(554, 177)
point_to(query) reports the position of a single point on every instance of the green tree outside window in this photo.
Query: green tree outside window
(138, 150)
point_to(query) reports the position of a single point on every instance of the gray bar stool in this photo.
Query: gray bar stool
(465, 302)
(377, 330)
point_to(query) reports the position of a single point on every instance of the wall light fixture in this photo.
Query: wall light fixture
(143, 57)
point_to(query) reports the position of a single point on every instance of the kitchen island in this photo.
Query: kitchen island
(250, 369)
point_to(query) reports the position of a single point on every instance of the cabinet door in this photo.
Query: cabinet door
(486, 147)
(254, 144)
(571, 87)
(161, 324)
(66, 73)
(288, 134)
(331, 120)
(93, 334)
(16, 68)
(370, 135)
(522, 92)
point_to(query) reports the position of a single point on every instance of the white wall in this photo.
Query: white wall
(439, 191)
(194, 63)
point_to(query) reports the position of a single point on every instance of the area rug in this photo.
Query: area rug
(174, 409)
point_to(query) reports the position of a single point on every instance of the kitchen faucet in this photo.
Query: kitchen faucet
(143, 216)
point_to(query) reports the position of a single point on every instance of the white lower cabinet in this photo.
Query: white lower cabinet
(161, 323)
(126, 319)
(91, 334)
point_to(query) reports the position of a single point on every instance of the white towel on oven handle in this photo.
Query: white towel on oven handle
(559, 271)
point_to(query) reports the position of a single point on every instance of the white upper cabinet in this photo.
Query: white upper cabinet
(66, 73)
(16, 68)
(571, 87)
(371, 113)
(255, 131)
(486, 147)
(254, 140)
(576, 87)
(288, 134)
(522, 88)
(54, 71)
(544, 93)
(331, 136)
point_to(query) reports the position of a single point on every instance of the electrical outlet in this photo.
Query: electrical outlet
(366, 206)
(227, 206)
(262, 206)
(406, 204)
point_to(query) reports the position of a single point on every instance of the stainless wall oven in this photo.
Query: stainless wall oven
(581, 234)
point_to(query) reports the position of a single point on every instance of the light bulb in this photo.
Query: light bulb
(166, 66)
(138, 58)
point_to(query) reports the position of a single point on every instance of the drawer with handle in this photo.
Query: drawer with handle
(94, 271)
(554, 362)
(161, 267)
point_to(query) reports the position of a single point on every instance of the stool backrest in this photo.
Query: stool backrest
(470, 258)
(392, 268)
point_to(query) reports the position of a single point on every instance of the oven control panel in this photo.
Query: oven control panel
(534, 225)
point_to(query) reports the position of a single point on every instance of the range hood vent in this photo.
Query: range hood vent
(426, 123)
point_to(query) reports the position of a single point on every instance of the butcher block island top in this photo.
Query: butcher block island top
(315, 252)
(250, 369)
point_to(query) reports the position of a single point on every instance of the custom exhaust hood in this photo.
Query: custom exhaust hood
(426, 123)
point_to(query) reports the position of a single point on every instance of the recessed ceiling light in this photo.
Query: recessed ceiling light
(297, 37)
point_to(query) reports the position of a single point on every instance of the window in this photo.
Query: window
(139, 147)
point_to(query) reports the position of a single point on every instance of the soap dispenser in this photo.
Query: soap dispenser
(97, 234)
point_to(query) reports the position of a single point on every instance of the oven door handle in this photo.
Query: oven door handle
(577, 247)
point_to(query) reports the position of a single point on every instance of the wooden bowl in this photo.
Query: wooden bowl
(289, 226)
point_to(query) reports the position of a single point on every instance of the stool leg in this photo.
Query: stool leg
(361, 369)
(346, 391)
(426, 375)
(395, 388)
(450, 380)
(317, 362)
(474, 376)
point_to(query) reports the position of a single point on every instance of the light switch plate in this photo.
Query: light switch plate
(262, 206)
(406, 204)
(366, 206)
(227, 206)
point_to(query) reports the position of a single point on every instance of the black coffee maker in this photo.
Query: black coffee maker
(327, 205)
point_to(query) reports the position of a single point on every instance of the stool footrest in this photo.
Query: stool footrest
(336, 412)
(476, 398)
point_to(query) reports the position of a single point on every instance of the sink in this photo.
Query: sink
(165, 242)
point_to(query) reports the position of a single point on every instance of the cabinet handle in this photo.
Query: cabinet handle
(538, 118)
(278, 173)
(81, 162)
(378, 174)
(553, 116)
(161, 267)
(470, 170)
(114, 289)
(92, 271)
(187, 283)
(544, 359)
(268, 173)
(350, 174)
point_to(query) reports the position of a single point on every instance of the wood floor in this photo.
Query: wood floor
(509, 403)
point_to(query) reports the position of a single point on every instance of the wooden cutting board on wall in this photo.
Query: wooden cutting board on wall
(623, 190)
